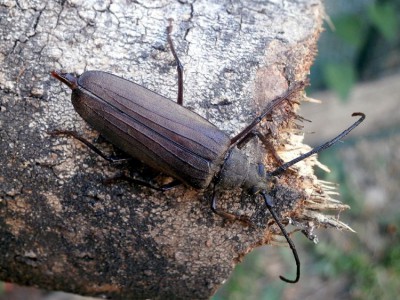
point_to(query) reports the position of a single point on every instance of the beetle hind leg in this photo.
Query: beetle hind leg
(75, 135)
(113, 159)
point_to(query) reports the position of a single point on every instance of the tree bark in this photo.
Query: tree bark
(61, 228)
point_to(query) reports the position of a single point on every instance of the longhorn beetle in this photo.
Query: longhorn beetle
(176, 141)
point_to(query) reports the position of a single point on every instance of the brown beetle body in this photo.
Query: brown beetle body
(151, 128)
(176, 141)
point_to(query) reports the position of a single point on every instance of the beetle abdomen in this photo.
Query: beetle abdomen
(152, 128)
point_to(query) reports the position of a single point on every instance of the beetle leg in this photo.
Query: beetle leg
(270, 147)
(267, 144)
(162, 188)
(123, 177)
(231, 217)
(179, 66)
(249, 136)
(113, 159)
(170, 186)
(73, 134)
(293, 88)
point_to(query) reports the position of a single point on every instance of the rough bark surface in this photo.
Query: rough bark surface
(61, 228)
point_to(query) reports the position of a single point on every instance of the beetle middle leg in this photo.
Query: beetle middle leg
(161, 188)
(179, 66)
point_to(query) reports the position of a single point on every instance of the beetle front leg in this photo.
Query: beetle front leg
(293, 89)
(266, 142)
(270, 147)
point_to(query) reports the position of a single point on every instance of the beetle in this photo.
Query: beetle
(176, 141)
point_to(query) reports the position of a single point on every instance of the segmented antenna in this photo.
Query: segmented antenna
(317, 149)
(283, 168)
(268, 202)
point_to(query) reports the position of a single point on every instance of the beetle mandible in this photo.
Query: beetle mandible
(176, 141)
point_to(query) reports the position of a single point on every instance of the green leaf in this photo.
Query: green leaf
(350, 29)
(340, 78)
(383, 17)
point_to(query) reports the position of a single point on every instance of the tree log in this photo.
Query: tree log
(61, 227)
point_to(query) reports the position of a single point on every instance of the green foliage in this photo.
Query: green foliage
(371, 273)
(330, 158)
(340, 77)
(383, 17)
(250, 281)
(370, 279)
(354, 36)
(391, 257)
(350, 29)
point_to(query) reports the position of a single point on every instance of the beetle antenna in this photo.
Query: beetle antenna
(317, 149)
(268, 202)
